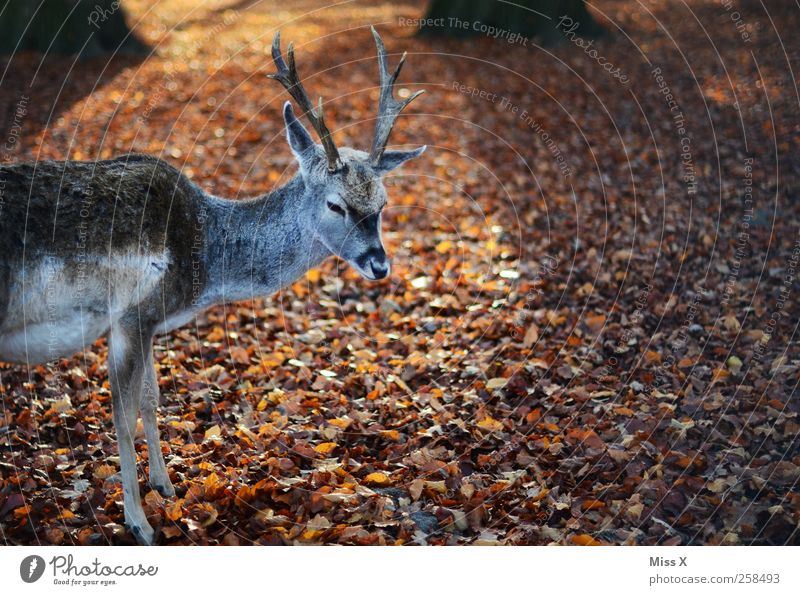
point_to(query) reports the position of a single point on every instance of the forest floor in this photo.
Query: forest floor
(589, 333)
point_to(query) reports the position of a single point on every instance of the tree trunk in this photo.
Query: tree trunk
(539, 18)
(85, 27)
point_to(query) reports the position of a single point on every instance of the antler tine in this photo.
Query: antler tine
(287, 76)
(388, 107)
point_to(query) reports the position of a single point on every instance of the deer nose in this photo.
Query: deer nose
(374, 262)
(380, 267)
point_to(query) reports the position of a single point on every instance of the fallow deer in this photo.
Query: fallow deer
(128, 248)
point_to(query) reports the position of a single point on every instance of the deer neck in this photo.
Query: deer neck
(256, 246)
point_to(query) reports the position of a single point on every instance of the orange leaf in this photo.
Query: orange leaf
(391, 435)
(175, 511)
(719, 374)
(654, 357)
(592, 504)
(534, 415)
(585, 539)
(595, 322)
(216, 334)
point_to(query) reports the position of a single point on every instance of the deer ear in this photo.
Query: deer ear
(393, 159)
(299, 139)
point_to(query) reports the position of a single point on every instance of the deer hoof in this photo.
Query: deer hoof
(162, 485)
(144, 534)
(166, 490)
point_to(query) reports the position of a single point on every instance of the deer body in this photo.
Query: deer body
(79, 267)
(128, 248)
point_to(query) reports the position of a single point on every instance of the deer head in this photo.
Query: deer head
(346, 185)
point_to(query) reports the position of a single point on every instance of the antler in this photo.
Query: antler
(388, 107)
(287, 76)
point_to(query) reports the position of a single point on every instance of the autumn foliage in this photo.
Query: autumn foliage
(602, 353)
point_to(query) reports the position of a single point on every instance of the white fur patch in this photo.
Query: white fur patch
(56, 309)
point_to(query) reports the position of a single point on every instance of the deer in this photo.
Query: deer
(129, 248)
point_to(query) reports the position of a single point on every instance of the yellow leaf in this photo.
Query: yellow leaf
(731, 323)
(436, 486)
(491, 424)
(377, 477)
(635, 511)
(313, 275)
(443, 247)
(734, 363)
(62, 405)
(104, 472)
(213, 431)
(311, 534)
(496, 383)
(325, 447)
(717, 486)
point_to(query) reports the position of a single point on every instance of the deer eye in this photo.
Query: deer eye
(336, 208)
